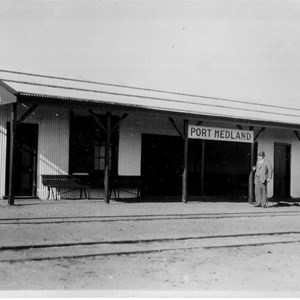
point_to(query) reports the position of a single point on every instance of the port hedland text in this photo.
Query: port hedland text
(220, 134)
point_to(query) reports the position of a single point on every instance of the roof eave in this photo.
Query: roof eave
(8, 88)
(80, 103)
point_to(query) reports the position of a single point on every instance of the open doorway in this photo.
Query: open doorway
(161, 167)
(26, 160)
(282, 170)
(214, 168)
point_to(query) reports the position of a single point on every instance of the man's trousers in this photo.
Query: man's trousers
(260, 193)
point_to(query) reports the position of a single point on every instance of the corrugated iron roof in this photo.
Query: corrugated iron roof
(95, 92)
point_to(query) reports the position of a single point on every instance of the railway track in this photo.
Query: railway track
(122, 218)
(73, 250)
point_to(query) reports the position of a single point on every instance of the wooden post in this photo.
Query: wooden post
(202, 167)
(12, 155)
(185, 168)
(107, 152)
(251, 183)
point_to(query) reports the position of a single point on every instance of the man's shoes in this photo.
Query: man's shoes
(256, 206)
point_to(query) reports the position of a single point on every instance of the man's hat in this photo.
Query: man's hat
(261, 153)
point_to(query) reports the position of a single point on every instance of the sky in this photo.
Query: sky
(239, 50)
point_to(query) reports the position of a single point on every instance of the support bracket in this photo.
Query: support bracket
(261, 130)
(297, 134)
(97, 121)
(27, 113)
(176, 128)
(119, 122)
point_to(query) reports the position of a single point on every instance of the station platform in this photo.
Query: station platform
(153, 206)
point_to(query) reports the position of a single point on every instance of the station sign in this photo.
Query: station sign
(220, 134)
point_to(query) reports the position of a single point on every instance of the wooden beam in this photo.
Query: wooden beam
(176, 128)
(27, 113)
(297, 134)
(12, 155)
(119, 122)
(107, 151)
(261, 130)
(97, 121)
(202, 168)
(185, 163)
(251, 175)
(75, 104)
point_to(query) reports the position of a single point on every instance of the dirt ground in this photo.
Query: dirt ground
(269, 270)
(248, 271)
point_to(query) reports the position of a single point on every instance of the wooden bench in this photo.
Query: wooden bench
(126, 184)
(67, 183)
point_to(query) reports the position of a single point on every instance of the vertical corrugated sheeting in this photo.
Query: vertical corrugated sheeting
(266, 142)
(4, 118)
(130, 147)
(53, 144)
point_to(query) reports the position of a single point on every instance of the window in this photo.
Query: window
(87, 147)
(99, 156)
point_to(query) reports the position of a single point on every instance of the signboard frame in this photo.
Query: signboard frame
(220, 134)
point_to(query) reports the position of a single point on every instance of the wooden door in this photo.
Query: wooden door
(26, 158)
(282, 170)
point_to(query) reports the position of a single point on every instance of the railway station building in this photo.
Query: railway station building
(159, 143)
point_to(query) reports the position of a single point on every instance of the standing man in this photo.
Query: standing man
(263, 174)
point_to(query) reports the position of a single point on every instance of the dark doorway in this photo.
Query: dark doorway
(195, 167)
(282, 170)
(26, 159)
(214, 168)
(227, 167)
(161, 168)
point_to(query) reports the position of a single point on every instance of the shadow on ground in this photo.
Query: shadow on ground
(285, 204)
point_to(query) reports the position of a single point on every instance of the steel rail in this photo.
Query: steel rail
(88, 219)
(130, 252)
(142, 251)
(150, 215)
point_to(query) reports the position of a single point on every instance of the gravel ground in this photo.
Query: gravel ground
(243, 270)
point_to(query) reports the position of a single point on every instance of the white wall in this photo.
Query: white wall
(133, 127)
(130, 143)
(53, 142)
(4, 117)
(266, 142)
(131, 130)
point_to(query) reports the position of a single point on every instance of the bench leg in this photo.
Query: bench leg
(83, 191)
(52, 193)
(48, 189)
(112, 191)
